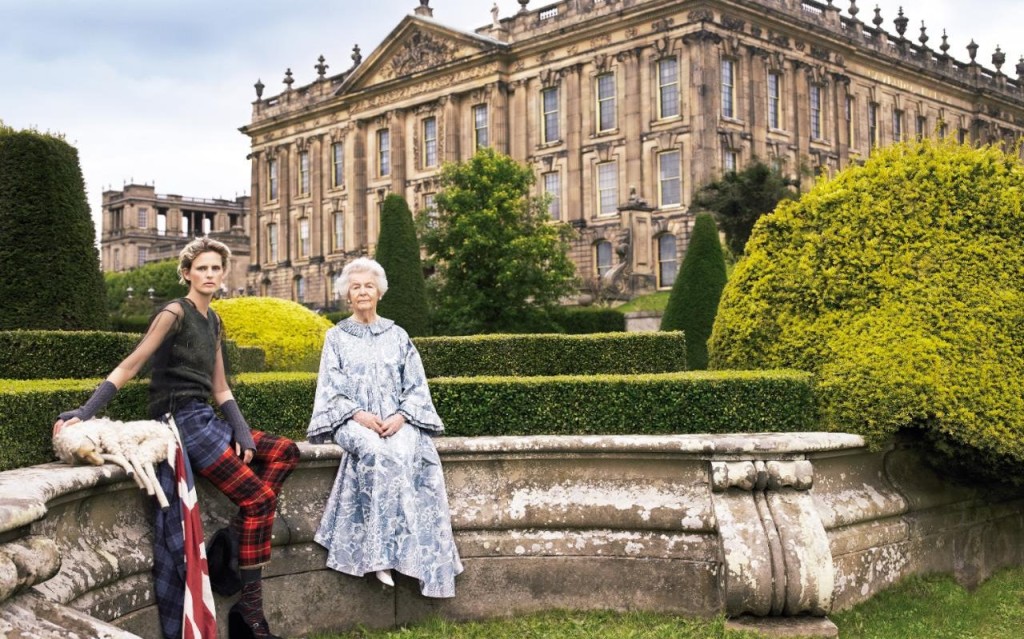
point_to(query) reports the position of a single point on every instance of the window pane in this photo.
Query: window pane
(667, 267)
(668, 88)
(606, 102)
(338, 163)
(271, 179)
(304, 173)
(304, 237)
(553, 187)
(773, 100)
(670, 178)
(603, 257)
(143, 217)
(550, 102)
(384, 152)
(430, 142)
(339, 231)
(815, 112)
(608, 187)
(480, 125)
(727, 88)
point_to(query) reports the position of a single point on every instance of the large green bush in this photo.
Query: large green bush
(702, 402)
(694, 301)
(398, 251)
(532, 355)
(290, 334)
(49, 266)
(900, 283)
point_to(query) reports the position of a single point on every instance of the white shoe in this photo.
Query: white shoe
(385, 578)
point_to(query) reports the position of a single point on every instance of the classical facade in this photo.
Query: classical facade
(141, 225)
(624, 108)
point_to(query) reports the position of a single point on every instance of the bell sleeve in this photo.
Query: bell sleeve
(333, 404)
(415, 402)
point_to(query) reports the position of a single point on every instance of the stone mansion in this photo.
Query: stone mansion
(623, 108)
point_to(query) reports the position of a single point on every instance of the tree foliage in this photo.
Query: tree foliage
(501, 263)
(48, 258)
(160, 276)
(739, 198)
(695, 293)
(398, 251)
(900, 283)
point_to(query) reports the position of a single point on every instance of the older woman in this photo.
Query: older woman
(388, 509)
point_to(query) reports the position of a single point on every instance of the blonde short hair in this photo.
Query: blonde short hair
(363, 265)
(197, 247)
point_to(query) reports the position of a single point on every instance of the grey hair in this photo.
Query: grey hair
(197, 247)
(362, 265)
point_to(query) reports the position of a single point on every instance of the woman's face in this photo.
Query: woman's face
(206, 273)
(363, 293)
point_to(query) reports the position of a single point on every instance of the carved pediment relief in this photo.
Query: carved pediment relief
(413, 47)
(420, 50)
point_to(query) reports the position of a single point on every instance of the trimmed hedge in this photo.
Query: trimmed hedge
(589, 319)
(553, 354)
(84, 354)
(686, 402)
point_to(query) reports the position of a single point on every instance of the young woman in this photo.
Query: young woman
(184, 345)
(388, 509)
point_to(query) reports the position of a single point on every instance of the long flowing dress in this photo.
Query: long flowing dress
(388, 508)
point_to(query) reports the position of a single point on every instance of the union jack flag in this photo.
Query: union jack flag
(199, 620)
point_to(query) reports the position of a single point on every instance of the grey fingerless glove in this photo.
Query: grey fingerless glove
(96, 402)
(243, 434)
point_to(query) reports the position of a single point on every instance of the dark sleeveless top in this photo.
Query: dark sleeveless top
(183, 364)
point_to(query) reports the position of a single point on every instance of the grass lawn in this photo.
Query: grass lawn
(932, 607)
(650, 302)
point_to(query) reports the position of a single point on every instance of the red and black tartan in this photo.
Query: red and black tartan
(254, 489)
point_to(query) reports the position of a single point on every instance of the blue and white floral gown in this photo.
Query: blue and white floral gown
(388, 508)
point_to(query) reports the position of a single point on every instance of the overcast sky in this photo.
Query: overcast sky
(153, 91)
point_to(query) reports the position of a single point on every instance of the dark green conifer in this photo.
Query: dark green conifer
(49, 267)
(693, 303)
(398, 251)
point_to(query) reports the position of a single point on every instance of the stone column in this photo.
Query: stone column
(357, 164)
(284, 200)
(396, 126)
(519, 126)
(631, 115)
(255, 208)
(758, 125)
(316, 193)
(705, 108)
(452, 128)
(801, 110)
(499, 98)
(573, 185)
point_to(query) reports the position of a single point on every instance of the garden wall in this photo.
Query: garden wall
(770, 525)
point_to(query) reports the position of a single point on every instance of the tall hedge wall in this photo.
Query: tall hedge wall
(687, 402)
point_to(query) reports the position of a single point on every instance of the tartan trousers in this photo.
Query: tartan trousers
(254, 489)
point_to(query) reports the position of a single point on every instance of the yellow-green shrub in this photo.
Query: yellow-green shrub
(290, 334)
(900, 283)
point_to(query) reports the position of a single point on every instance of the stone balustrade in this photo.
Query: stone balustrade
(774, 526)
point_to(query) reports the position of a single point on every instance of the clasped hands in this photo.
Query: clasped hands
(383, 427)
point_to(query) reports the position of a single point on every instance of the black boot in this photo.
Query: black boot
(222, 559)
(246, 619)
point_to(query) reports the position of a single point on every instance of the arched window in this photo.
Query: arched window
(668, 265)
(603, 257)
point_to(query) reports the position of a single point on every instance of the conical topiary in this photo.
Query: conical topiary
(398, 251)
(693, 303)
(48, 257)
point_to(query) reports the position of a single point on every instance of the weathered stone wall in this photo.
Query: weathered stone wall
(775, 525)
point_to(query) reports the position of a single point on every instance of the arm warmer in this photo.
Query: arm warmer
(96, 402)
(243, 434)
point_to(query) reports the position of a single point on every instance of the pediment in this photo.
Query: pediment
(414, 46)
